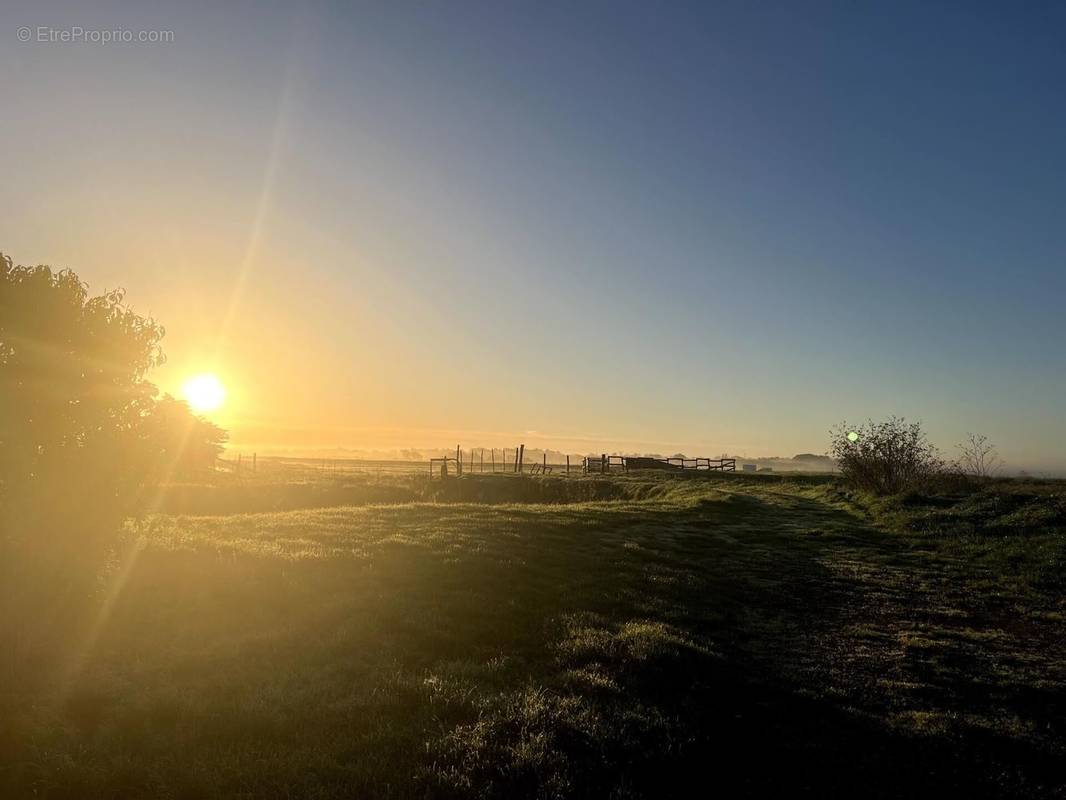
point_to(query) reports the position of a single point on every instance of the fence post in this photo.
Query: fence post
(494, 460)
(603, 462)
(568, 465)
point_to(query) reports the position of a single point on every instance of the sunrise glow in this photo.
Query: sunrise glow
(204, 393)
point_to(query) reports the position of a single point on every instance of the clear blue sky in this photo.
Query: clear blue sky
(755, 220)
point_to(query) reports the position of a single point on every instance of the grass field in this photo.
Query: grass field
(620, 636)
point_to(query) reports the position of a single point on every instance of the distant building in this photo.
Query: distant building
(749, 468)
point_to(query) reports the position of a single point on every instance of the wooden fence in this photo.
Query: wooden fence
(606, 463)
(475, 461)
(482, 460)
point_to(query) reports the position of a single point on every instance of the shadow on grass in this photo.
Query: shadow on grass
(642, 649)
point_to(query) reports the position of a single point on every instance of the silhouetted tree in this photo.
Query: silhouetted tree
(179, 443)
(80, 427)
(72, 399)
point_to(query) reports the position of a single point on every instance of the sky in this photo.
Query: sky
(710, 228)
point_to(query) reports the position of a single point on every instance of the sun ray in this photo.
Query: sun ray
(266, 191)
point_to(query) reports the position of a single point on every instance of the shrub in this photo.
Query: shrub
(886, 457)
(978, 457)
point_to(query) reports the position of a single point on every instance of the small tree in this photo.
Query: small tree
(978, 457)
(885, 457)
(178, 443)
(73, 397)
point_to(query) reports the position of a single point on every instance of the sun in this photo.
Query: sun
(204, 392)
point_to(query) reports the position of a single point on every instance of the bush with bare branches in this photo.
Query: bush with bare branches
(885, 457)
(978, 457)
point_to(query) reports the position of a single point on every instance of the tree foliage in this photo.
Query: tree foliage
(73, 396)
(181, 443)
(81, 429)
